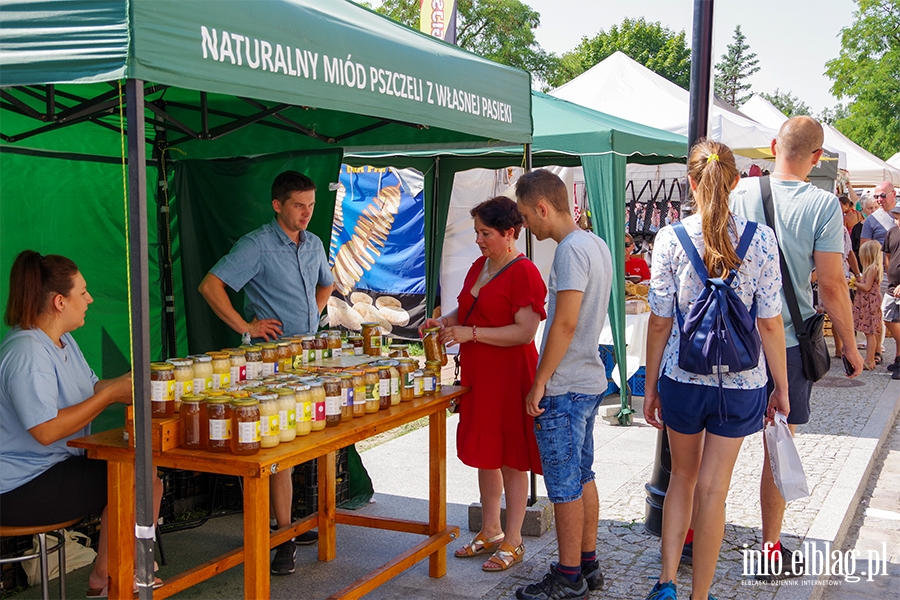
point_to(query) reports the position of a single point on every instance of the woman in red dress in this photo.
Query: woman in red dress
(500, 307)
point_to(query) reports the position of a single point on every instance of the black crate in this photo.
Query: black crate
(227, 493)
(306, 474)
(14, 545)
(167, 509)
(306, 502)
(12, 577)
(188, 484)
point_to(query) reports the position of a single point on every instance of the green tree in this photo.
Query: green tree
(656, 47)
(789, 104)
(867, 72)
(833, 115)
(499, 30)
(736, 66)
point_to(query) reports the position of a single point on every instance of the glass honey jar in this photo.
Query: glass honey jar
(194, 426)
(162, 389)
(245, 426)
(218, 420)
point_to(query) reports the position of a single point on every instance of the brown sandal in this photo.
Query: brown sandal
(505, 557)
(480, 545)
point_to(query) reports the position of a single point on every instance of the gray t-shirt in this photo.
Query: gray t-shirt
(582, 262)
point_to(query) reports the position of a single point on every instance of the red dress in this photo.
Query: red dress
(494, 429)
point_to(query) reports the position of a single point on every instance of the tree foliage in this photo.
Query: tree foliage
(737, 64)
(833, 115)
(656, 47)
(499, 30)
(867, 72)
(789, 104)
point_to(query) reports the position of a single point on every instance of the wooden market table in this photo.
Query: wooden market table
(255, 471)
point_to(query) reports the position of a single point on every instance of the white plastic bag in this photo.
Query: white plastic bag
(785, 461)
(77, 556)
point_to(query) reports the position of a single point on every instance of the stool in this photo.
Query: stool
(42, 531)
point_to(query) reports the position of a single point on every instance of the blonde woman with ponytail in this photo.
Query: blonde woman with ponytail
(708, 417)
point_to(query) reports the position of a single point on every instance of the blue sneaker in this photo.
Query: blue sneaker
(663, 591)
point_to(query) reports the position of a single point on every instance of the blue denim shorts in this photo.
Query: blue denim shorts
(565, 439)
(689, 408)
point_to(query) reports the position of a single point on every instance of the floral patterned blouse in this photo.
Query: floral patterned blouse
(758, 279)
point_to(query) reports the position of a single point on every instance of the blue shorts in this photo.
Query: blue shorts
(689, 408)
(799, 388)
(565, 439)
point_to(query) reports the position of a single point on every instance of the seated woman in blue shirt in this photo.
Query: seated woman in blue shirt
(48, 396)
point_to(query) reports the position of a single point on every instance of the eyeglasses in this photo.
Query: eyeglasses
(629, 244)
(877, 196)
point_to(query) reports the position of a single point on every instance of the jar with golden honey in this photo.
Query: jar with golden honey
(434, 347)
(406, 367)
(398, 350)
(371, 334)
(335, 345)
(333, 400)
(202, 368)
(287, 414)
(221, 367)
(253, 356)
(162, 389)
(218, 420)
(359, 392)
(245, 426)
(194, 427)
(432, 375)
(303, 407)
(384, 387)
(269, 424)
(184, 379)
(285, 358)
(396, 381)
(317, 391)
(238, 358)
(372, 392)
(357, 342)
(269, 353)
(418, 383)
(308, 344)
(321, 347)
(347, 394)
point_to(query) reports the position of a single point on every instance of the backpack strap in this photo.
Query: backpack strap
(690, 250)
(743, 246)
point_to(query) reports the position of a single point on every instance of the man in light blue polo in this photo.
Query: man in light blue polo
(283, 269)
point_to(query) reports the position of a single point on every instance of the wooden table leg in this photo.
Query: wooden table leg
(120, 529)
(256, 537)
(437, 487)
(327, 508)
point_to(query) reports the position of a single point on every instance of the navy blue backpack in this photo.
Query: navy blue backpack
(719, 334)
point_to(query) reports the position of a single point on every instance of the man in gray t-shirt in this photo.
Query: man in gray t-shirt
(569, 383)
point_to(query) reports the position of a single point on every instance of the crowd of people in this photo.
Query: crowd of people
(526, 410)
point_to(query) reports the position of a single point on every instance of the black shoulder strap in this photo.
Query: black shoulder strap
(768, 206)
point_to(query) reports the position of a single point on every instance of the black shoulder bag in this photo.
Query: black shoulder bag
(811, 332)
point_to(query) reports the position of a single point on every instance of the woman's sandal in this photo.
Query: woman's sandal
(878, 358)
(480, 545)
(505, 557)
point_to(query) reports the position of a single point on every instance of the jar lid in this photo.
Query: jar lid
(431, 329)
(245, 402)
(406, 359)
(254, 389)
(268, 346)
(285, 391)
(201, 358)
(265, 396)
(300, 387)
(250, 347)
(218, 399)
(433, 363)
(180, 362)
(393, 362)
(217, 354)
(193, 398)
(282, 343)
(307, 338)
(372, 324)
(330, 379)
(234, 351)
(355, 337)
(370, 369)
(161, 366)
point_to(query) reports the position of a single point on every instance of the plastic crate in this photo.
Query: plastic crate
(12, 577)
(636, 383)
(167, 510)
(609, 363)
(307, 473)
(228, 493)
(14, 545)
(188, 484)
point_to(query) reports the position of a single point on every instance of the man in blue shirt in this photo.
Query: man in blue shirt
(287, 282)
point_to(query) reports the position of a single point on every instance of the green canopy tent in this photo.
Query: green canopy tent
(565, 134)
(298, 81)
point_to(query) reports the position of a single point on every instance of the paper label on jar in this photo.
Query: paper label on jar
(375, 341)
(337, 352)
(221, 381)
(289, 418)
(248, 432)
(254, 369)
(183, 388)
(220, 429)
(319, 354)
(418, 385)
(268, 369)
(297, 361)
(318, 413)
(429, 384)
(235, 373)
(359, 395)
(408, 380)
(270, 425)
(384, 387)
(332, 405)
(357, 350)
(395, 386)
(370, 392)
(161, 391)
(277, 367)
(346, 396)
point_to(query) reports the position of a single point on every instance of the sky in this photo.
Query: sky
(791, 38)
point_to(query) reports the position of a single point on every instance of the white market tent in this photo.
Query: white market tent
(894, 161)
(865, 168)
(624, 88)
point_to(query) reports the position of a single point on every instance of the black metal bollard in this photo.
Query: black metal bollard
(658, 484)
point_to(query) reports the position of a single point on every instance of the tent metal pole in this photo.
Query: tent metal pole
(140, 323)
(701, 70)
(529, 252)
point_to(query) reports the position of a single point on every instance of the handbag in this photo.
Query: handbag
(810, 333)
(77, 556)
(784, 459)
